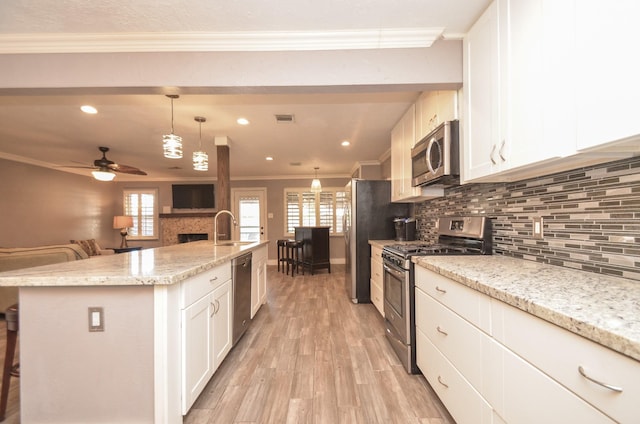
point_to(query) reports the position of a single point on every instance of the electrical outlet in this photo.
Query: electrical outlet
(538, 231)
(96, 318)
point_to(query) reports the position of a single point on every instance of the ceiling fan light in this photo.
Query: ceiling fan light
(172, 146)
(101, 175)
(200, 161)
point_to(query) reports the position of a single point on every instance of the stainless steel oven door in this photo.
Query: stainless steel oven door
(396, 300)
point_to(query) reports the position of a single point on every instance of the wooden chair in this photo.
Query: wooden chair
(295, 255)
(282, 254)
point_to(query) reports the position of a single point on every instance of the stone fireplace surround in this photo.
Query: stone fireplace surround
(173, 224)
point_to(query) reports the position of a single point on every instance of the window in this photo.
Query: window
(142, 206)
(305, 208)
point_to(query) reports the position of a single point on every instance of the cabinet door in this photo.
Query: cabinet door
(222, 321)
(197, 355)
(607, 83)
(258, 279)
(481, 94)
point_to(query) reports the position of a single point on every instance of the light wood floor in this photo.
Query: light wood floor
(310, 356)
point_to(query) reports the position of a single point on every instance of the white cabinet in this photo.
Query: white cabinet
(376, 282)
(206, 333)
(403, 138)
(483, 356)
(510, 122)
(548, 85)
(434, 108)
(258, 279)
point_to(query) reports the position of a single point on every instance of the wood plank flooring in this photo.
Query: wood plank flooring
(310, 356)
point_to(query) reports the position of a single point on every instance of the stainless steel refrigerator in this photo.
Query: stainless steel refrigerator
(368, 216)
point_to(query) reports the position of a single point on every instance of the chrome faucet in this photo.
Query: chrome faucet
(215, 223)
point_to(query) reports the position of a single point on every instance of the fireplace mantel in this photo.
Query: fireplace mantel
(188, 215)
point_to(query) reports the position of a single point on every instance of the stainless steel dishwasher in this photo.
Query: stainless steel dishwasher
(241, 267)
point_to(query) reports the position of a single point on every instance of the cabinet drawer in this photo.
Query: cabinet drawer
(197, 286)
(470, 304)
(559, 353)
(464, 403)
(530, 396)
(458, 340)
(377, 296)
(376, 270)
(376, 252)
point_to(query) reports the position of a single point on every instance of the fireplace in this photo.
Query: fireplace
(189, 237)
(188, 226)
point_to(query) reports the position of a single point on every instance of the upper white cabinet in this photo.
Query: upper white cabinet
(607, 82)
(545, 81)
(434, 108)
(403, 138)
(511, 90)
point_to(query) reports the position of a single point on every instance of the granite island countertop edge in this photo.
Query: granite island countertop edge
(157, 266)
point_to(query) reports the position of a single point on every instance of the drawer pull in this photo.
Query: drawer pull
(211, 280)
(441, 331)
(442, 382)
(440, 290)
(599, 383)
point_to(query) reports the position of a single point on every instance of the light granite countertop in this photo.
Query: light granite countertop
(162, 265)
(603, 309)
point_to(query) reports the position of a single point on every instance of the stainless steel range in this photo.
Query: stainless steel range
(456, 236)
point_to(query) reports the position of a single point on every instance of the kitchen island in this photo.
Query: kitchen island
(137, 368)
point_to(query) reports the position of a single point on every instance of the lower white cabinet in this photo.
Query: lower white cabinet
(258, 279)
(376, 283)
(504, 365)
(206, 333)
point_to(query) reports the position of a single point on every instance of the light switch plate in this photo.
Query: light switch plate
(538, 228)
(96, 318)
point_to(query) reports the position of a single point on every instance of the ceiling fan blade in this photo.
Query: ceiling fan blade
(126, 169)
(76, 166)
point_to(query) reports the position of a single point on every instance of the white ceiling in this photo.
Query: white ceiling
(47, 128)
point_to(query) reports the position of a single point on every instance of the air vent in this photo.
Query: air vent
(285, 119)
(295, 163)
(174, 167)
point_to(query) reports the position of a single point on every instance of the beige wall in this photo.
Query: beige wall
(41, 206)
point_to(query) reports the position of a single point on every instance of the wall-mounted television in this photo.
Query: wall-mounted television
(193, 196)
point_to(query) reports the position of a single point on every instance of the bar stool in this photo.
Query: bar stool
(294, 250)
(11, 316)
(282, 254)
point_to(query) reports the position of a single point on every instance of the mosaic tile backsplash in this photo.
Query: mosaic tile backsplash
(591, 217)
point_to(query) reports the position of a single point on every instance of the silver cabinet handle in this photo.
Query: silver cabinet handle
(599, 383)
(440, 290)
(214, 309)
(493, 151)
(442, 382)
(211, 280)
(501, 151)
(441, 331)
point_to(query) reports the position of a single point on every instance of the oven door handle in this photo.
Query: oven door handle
(399, 274)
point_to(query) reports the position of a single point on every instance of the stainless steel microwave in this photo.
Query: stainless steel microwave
(436, 159)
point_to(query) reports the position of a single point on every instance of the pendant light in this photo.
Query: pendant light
(316, 187)
(200, 158)
(171, 143)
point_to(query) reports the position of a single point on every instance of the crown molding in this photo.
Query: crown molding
(384, 38)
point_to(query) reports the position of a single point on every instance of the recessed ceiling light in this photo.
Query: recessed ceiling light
(268, 158)
(89, 109)
(345, 143)
(243, 121)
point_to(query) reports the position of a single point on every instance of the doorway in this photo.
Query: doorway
(250, 209)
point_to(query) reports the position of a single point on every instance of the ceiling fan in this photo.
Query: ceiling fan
(104, 168)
